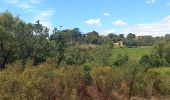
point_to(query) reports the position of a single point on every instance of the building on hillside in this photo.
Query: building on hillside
(118, 44)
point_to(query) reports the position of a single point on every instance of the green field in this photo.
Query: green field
(134, 53)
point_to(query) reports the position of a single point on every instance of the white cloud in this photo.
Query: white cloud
(106, 32)
(120, 23)
(44, 17)
(158, 28)
(24, 6)
(96, 22)
(106, 14)
(151, 1)
(31, 5)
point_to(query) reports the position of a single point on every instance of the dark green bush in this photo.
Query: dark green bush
(121, 59)
(76, 56)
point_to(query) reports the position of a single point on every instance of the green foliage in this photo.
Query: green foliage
(152, 61)
(131, 42)
(159, 57)
(121, 59)
(7, 23)
(163, 85)
(41, 44)
(146, 40)
(158, 48)
(18, 41)
(92, 37)
(131, 36)
(76, 56)
(58, 46)
(166, 52)
(113, 37)
(145, 60)
(28, 56)
(72, 36)
(101, 55)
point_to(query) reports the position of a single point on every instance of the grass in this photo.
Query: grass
(161, 70)
(134, 53)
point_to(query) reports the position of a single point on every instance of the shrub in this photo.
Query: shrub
(76, 56)
(71, 83)
(101, 55)
(163, 86)
(152, 60)
(121, 59)
(104, 82)
(10, 82)
(37, 82)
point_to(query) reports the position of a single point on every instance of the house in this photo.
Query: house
(118, 44)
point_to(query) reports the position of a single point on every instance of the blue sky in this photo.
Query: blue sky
(142, 17)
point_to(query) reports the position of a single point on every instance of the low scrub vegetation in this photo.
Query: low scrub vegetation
(82, 83)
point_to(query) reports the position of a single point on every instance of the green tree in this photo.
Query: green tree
(23, 38)
(7, 23)
(40, 43)
(92, 37)
(121, 36)
(58, 45)
(72, 36)
(113, 37)
(131, 42)
(131, 36)
(167, 36)
(158, 48)
(146, 41)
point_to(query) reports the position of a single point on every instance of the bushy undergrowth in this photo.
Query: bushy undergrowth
(44, 82)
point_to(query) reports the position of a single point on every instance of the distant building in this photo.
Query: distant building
(118, 44)
(144, 37)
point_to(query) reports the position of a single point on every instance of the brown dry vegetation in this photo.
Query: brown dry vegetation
(44, 82)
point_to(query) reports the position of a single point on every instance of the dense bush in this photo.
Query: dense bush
(105, 81)
(76, 56)
(101, 55)
(152, 60)
(81, 83)
(164, 80)
(121, 59)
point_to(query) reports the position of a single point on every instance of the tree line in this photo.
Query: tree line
(22, 41)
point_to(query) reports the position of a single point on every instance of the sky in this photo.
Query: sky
(142, 17)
